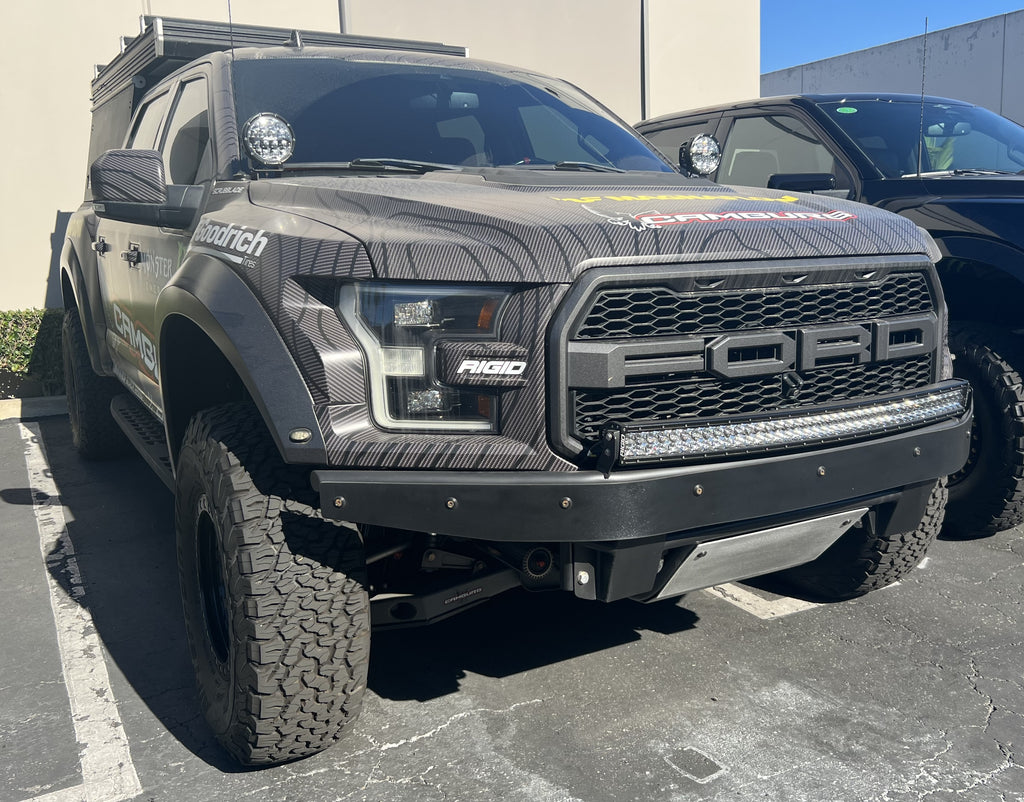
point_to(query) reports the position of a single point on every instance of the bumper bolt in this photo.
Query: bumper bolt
(339, 502)
(698, 490)
(821, 470)
(582, 578)
(565, 503)
(917, 452)
(452, 503)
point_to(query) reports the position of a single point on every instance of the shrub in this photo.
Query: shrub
(30, 356)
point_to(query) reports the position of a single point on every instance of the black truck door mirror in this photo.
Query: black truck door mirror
(129, 185)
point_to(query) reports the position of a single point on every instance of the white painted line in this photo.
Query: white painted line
(756, 605)
(108, 773)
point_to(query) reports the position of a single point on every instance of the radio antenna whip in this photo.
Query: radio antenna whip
(924, 67)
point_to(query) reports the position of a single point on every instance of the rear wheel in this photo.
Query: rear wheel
(275, 599)
(861, 561)
(94, 432)
(987, 494)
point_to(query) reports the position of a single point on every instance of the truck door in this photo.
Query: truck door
(188, 160)
(117, 248)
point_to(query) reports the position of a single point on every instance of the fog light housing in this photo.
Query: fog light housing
(268, 139)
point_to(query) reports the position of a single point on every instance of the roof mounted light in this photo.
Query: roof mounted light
(268, 139)
(700, 155)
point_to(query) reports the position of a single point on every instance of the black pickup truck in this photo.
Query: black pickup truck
(957, 171)
(403, 331)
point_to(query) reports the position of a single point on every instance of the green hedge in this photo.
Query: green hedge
(30, 357)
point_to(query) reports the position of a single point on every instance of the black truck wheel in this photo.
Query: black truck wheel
(94, 431)
(861, 561)
(275, 599)
(987, 494)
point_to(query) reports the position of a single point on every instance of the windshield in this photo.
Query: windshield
(345, 110)
(956, 138)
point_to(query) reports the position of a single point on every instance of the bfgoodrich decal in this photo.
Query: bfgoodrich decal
(242, 242)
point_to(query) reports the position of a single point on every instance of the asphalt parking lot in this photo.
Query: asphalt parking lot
(915, 692)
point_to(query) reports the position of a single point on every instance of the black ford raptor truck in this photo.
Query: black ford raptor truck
(404, 331)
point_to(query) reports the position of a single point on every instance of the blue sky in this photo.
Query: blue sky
(797, 31)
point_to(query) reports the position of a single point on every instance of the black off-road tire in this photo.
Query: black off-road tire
(861, 561)
(987, 494)
(275, 598)
(94, 431)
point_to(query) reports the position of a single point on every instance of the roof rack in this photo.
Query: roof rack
(167, 43)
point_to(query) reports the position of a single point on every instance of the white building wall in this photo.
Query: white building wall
(693, 55)
(981, 62)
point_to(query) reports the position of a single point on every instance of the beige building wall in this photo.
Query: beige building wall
(47, 69)
(640, 57)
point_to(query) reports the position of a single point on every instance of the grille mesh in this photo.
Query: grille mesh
(709, 397)
(628, 312)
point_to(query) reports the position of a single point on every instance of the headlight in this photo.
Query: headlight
(410, 333)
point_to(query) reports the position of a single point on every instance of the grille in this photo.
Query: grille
(628, 312)
(652, 327)
(710, 397)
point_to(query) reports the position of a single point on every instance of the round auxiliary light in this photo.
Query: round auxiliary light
(268, 139)
(701, 154)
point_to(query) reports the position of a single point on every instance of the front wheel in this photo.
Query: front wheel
(987, 494)
(862, 561)
(94, 432)
(275, 600)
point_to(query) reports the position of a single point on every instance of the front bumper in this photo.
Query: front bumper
(633, 504)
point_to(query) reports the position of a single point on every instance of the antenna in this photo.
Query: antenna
(924, 67)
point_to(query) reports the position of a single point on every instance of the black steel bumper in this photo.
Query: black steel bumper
(628, 505)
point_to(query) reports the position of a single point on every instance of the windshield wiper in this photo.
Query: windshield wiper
(597, 168)
(399, 164)
(965, 171)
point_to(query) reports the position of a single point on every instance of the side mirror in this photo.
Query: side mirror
(700, 155)
(802, 182)
(129, 185)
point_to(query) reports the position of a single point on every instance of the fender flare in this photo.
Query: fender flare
(89, 302)
(1005, 258)
(211, 295)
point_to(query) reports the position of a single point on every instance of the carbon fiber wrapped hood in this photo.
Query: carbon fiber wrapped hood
(461, 226)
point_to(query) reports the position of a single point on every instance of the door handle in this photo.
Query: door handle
(133, 255)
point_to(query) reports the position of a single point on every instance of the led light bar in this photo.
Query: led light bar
(641, 444)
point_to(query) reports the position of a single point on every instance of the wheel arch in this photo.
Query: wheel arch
(79, 292)
(217, 344)
(982, 279)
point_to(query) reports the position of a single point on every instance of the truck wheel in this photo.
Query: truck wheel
(987, 494)
(275, 600)
(94, 431)
(860, 561)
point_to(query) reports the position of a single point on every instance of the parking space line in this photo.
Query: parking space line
(757, 605)
(108, 773)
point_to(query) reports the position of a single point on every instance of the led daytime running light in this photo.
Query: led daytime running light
(794, 430)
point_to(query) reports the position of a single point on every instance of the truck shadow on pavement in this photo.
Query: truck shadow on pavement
(512, 634)
(120, 521)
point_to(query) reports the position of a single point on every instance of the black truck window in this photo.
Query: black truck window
(349, 109)
(759, 147)
(186, 148)
(147, 124)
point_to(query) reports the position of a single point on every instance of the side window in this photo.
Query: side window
(186, 149)
(759, 147)
(668, 140)
(143, 136)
